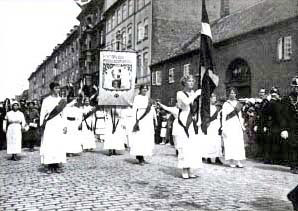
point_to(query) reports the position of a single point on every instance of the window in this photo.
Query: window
(124, 11)
(145, 63)
(284, 48)
(158, 78)
(129, 36)
(119, 16)
(113, 46)
(140, 32)
(186, 69)
(123, 39)
(153, 78)
(171, 75)
(109, 25)
(113, 21)
(146, 28)
(130, 7)
(139, 66)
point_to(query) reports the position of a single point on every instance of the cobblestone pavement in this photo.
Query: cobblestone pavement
(95, 181)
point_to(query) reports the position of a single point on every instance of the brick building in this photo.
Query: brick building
(253, 48)
(61, 66)
(153, 28)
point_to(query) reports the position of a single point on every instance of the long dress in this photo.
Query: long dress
(189, 147)
(88, 137)
(212, 141)
(73, 137)
(52, 149)
(15, 121)
(232, 131)
(114, 140)
(142, 141)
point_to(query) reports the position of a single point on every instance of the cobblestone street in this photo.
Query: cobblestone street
(95, 181)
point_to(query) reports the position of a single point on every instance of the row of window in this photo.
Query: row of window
(156, 77)
(123, 12)
(284, 48)
(126, 36)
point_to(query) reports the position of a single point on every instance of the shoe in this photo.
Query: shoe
(185, 174)
(58, 170)
(218, 161)
(232, 165)
(192, 176)
(49, 171)
(239, 165)
(209, 160)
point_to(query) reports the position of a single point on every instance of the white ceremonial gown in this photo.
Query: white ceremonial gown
(117, 139)
(88, 138)
(15, 121)
(52, 149)
(72, 121)
(189, 147)
(142, 141)
(212, 141)
(232, 133)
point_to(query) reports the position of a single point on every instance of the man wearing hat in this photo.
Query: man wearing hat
(290, 124)
(272, 125)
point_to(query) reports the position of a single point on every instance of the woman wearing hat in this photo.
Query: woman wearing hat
(13, 124)
(290, 124)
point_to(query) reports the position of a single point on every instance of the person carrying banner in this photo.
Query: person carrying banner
(88, 137)
(13, 124)
(142, 137)
(52, 150)
(187, 131)
(232, 130)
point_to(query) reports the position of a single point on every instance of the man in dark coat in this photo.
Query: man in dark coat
(290, 124)
(261, 134)
(273, 126)
(32, 119)
(2, 134)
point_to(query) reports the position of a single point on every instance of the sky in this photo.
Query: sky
(30, 29)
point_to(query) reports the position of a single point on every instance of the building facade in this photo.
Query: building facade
(61, 66)
(255, 48)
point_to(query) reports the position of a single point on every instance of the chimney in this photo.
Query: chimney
(224, 8)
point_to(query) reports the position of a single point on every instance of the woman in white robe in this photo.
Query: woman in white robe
(188, 145)
(72, 122)
(212, 141)
(232, 130)
(88, 137)
(142, 139)
(52, 149)
(115, 136)
(13, 124)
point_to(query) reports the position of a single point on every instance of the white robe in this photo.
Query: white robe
(73, 137)
(52, 149)
(117, 139)
(212, 141)
(232, 133)
(142, 141)
(88, 137)
(189, 147)
(15, 121)
(99, 125)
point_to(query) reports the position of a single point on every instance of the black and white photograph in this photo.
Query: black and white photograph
(149, 105)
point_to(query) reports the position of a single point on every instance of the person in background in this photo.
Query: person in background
(260, 130)
(2, 134)
(142, 137)
(32, 118)
(232, 130)
(289, 127)
(14, 123)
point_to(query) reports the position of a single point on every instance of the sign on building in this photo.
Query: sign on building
(117, 74)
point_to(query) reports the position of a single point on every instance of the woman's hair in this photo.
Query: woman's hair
(230, 89)
(185, 78)
(53, 85)
(142, 87)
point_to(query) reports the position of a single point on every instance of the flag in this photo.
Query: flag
(208, 79)
(81, 3)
